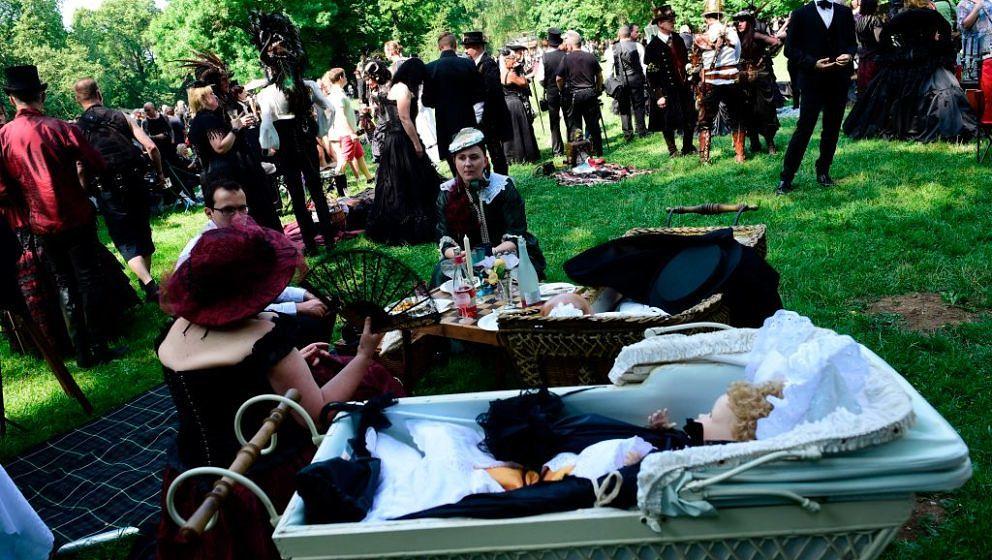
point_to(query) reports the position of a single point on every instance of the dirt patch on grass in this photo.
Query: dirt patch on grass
(923, 311)
(927, 515)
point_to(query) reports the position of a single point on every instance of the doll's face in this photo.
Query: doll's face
(717, 424)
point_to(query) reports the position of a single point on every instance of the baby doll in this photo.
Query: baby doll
(734, 416)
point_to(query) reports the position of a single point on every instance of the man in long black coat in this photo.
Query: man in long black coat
(453, 87)
(495, 116)
(672, 104)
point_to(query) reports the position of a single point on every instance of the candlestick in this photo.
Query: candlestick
(468, 254)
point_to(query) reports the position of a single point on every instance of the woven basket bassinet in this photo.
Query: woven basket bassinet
(570, 351)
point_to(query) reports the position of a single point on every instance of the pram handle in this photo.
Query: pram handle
(709, 210)
(204, 518)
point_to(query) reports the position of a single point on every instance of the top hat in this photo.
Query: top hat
(554, 37)
(23, 78)
(713, 7)
(663, 13)
(473, 38)
(673, 272)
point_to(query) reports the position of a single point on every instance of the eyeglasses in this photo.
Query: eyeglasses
(232, 210)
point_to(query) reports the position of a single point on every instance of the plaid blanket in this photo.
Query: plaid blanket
(104, 475)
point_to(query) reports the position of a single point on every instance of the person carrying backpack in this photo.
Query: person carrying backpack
(121, 192)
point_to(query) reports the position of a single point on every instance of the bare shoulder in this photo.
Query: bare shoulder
(189, 346)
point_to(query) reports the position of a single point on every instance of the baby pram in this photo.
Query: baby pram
(839, 497)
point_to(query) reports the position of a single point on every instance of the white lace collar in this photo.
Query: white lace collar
(497, 183)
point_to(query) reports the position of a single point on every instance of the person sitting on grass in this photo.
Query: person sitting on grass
(483, 205)
(223, 349)
(225, 204)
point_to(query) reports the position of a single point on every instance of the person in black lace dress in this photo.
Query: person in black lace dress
(522, 147)
(406, 183)
(868, 28)
(914, 95)
(222, 350)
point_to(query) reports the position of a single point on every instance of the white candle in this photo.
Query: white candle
(468, 259)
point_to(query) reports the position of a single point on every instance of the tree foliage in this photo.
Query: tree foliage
(132, 48)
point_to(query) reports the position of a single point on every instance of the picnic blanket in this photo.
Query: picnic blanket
(104, 475)
(601, 174)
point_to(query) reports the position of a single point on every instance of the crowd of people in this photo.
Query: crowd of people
(468, 114)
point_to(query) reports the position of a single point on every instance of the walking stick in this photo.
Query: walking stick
(533, 90)
(602, 126)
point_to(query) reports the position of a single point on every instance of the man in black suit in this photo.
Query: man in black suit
(548, 70)
(495, 122)
(453, 88)
(822, 43)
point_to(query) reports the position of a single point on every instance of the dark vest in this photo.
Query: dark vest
(626, 52)
(551, 61)
(110, 133)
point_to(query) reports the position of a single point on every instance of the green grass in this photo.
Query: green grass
(905, 218)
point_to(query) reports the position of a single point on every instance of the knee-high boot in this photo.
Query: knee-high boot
(704, 146)
(739, 156)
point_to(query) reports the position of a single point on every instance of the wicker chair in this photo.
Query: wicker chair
(565, 351)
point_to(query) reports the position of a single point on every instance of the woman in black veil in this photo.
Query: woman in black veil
(406, 183)
(914, 96)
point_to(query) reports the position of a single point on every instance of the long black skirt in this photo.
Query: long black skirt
(523, 146)
(921, 102)
(406, 187)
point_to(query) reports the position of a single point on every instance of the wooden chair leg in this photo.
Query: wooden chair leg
(53, 360)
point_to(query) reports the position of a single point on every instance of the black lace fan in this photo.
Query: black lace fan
(363, 283)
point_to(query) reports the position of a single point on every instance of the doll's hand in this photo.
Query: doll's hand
(660, 420)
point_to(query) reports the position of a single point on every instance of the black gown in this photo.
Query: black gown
(522, 147)
(914, 95)
(406, 187)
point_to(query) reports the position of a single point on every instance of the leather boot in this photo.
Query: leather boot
(704, 147)
(673, 150)
(772, 148)
(341, 183)
(74, 325)
(755, 140)
(739, 156)
(687, 147)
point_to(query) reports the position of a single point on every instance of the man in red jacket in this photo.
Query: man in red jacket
(38, 166)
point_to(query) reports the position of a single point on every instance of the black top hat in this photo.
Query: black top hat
(668, 271)
(473, 38)
(663, 13)
(554, 37)
(23, 78)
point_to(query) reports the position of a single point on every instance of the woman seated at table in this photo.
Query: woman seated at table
(483, 205)
(222, 350)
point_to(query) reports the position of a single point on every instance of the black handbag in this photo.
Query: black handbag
(614, 86)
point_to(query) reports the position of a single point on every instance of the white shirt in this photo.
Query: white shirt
(344, 115)
(826, 15)
(285, 303)
(727, 57)
(274, 106)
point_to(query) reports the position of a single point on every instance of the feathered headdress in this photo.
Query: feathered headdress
(280, 49)
(207, 69)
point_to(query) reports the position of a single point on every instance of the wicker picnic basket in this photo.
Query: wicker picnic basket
(568, 351)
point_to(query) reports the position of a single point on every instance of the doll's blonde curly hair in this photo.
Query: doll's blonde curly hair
(749, 404)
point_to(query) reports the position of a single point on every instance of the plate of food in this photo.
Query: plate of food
(414, 306)
(556, 289)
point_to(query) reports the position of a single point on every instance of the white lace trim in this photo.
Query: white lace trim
(629, 366)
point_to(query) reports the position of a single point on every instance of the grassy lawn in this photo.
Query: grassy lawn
(905, 218)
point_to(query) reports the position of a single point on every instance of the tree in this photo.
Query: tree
(114, 36)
